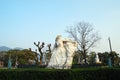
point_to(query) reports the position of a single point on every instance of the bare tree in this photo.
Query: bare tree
(84, 34)
(49, 48)
(40, 47)
(48, 53)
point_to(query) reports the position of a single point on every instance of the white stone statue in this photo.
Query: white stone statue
(97, 59)
(62, 53)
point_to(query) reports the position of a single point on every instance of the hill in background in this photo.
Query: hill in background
(4, 48)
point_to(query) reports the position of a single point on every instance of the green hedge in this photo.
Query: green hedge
(53, 74)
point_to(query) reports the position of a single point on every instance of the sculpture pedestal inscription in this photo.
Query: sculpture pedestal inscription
(62, 53)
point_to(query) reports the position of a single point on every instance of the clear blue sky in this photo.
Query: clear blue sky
(24, 21)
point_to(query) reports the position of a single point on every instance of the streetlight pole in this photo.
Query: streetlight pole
(110, 44)
(109, 59)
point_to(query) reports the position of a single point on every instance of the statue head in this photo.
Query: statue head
(58, 37)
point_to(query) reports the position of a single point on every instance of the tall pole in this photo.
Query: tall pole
(109, 59)
(110, 44)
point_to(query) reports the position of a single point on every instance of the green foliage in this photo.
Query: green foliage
(78, 58)
(113, 55)
(91, 57)
(20, 56)
(53, 74)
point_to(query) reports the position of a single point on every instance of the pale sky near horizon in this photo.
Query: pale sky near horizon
(24, 21)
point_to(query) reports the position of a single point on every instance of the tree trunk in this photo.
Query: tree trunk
(41, 57)
(79, 60)
(84, 53)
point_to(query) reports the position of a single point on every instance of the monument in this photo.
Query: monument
(62, 53)
(9, 63)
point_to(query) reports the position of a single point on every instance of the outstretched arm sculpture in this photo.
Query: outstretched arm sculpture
(70, 47)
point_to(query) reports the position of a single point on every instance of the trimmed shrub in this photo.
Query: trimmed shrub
(54, 74)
